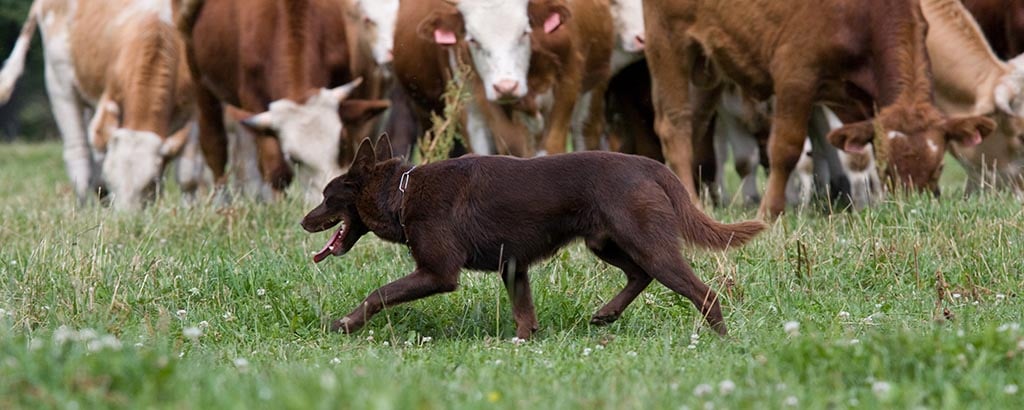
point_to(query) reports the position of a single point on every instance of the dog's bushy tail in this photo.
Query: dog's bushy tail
(697, 227)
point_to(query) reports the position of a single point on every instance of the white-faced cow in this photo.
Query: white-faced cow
(123, 61)
(286, 66)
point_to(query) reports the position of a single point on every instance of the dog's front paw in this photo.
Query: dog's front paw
(601, 320)
(345, 325)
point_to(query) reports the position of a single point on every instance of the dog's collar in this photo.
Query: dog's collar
(403, 182)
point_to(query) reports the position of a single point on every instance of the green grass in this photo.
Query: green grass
(243, 276)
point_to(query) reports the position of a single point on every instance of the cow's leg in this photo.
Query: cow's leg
(794, 102)
(580, 120)
(595, 125)
(213, 139)
(68, 111)
(190, 166)
(670, 64)
(704, 101)
(517, 283)
(636, 280)
(567, 93)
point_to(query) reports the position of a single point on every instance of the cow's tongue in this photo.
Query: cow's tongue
(332, 244)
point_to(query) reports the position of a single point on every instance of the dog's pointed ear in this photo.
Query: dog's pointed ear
(383, 148)
(364, 158)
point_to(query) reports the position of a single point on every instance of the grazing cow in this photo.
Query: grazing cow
(851, 57)
(122, 60)
(286, 66)
(971, 80)
(1002, 21)
(536, 59)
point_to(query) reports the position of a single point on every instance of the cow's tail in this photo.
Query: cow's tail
(188, 13)
(15, 64)
(698, 228)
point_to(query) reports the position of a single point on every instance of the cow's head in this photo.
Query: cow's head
(628, 16)
(912, 142)
(311, 131)
(377, 21)
(132, 161)
(498, 36)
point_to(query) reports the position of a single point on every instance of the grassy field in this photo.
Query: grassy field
(222, 308)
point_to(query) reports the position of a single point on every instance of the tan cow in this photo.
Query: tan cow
(805, 51)
(286, 65)
(971, 80)
(535, 63)
(122, 60)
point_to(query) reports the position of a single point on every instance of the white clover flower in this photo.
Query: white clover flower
(194, 291)
(844, 315)
(261, 292)
(498, 362)
(516, 340)
(4, 312)
(139, 345)
(204, 324)
(111, 342)
(14, 262)
(957, 296)
(692, 346)
(792, 328)
(599, 347)
(726, 387)
(86, 335)
(1010, 389)
(228, 316)
(192, 332)
(427, 339)
(791, 401)
(854, 341)
(631, 354)
(702, 389)
(387, 343)
(587, 351)
(1000, 296)
(241, 363)
(335, 361)
(63, 334)
(35, 344)
(881, 389)
(182, 313)
(1012, 327)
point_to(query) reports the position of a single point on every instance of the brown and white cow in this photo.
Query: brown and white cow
(285, 65)
(852, 57)
(971, 80)
(123, 61)
(532, 60)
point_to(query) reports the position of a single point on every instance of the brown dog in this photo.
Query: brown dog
(502, 213)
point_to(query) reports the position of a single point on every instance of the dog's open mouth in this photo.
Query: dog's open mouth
(334, 245)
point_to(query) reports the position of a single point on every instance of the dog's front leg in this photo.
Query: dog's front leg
(517, 283)
(418, 284)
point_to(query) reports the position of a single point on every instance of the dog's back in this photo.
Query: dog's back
(529, 208)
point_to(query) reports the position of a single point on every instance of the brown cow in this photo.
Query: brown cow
(123, 61)
(851, 56)
(288, 61)
(532, 59)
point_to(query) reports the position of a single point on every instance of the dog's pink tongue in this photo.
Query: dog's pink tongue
(329, 248)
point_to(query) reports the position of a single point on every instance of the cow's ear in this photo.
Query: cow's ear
(969, 131)
(853, 138)
(258, 123)
(364, 158)
(441, 27)
(354, 112)
(547, 15)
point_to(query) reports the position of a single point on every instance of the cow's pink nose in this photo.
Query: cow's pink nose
(638, 41)
(506, 87)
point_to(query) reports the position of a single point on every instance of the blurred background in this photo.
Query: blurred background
(27, 116)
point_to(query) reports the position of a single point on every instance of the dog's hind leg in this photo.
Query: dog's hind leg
(636, 280)
(517, 283)
(668, 267)
(418, 284)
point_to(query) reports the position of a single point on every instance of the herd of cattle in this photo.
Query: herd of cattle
(286, 89)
